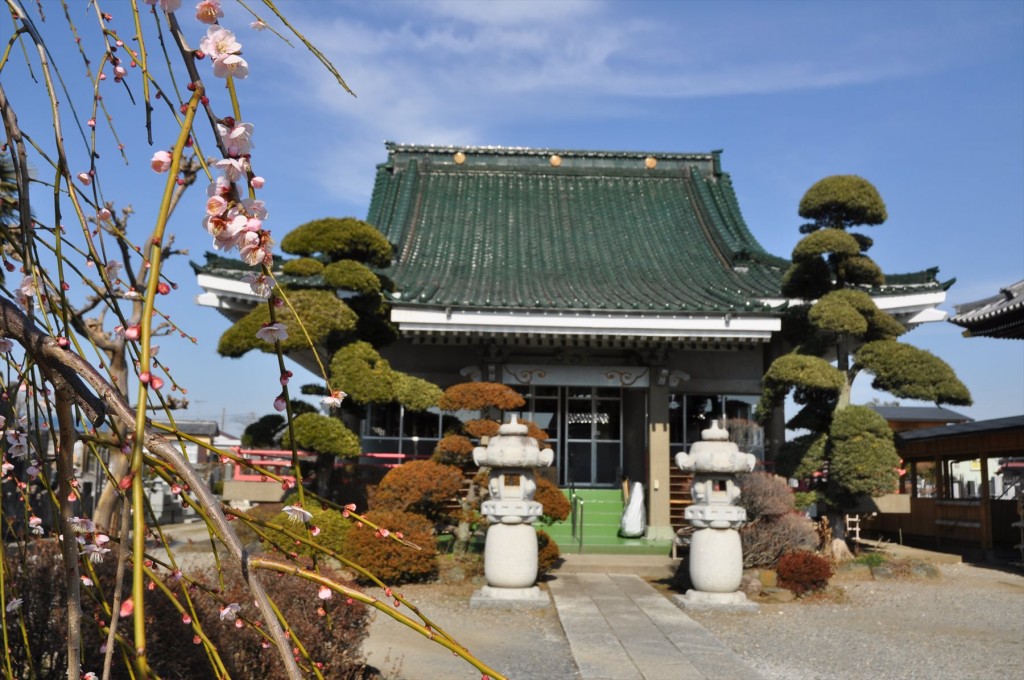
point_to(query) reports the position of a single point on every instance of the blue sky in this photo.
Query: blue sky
(924, 99)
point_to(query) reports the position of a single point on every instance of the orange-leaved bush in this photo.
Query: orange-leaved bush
(476, 396)
(389, 560)
(556, 505)
(420, 486)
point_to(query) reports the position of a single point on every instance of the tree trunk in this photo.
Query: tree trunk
(464, 530)
(324, 474)
(110, 498)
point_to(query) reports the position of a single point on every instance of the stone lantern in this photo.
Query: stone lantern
(510, 550)
(716, 555)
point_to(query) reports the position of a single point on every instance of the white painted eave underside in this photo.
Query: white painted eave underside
(725, 327)
(911, 309)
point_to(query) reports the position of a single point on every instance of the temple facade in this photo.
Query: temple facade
(622, 294)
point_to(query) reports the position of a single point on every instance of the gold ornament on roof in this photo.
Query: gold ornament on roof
(459, 157)
(650, 162)
(555, 160)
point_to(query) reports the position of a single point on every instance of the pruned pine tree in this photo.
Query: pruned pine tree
(838, 332)
(332, 255)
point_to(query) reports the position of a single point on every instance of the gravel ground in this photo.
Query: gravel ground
(967, 624)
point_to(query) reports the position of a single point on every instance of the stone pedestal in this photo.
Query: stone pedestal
(716, 555)
(510, 550)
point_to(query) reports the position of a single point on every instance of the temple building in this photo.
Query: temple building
(621, 293)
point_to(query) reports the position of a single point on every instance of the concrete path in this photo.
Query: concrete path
(620, 628)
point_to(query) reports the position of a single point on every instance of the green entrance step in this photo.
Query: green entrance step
(598, 515)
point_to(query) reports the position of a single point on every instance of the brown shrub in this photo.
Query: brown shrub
(476, 396)
(333, 640)
(556, 505)
(548, 554)
(764, 495)
(420, 486)
(453, 449)
(803, 572)
(485, 427)
(389, 560)
(767, 539)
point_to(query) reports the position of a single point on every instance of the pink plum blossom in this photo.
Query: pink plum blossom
(219, 42)
(230, 65)
(258, 25)
(254, 207)
(220, 187)
(230, 611)
(95, 552)
(6, 345)
(113, 268)
(273, 332)
(324, 593)
(334, 400)
(280, 404)
(36, 525)
(18, 444)
(208, 11)
(161, 161)
(297, 513)
(85, 178)
(237, 139)
(258, 283)
(82, 525)
(234, 169)
(257, 182)
(216, 205)
(14, 605)
(166, 5)
(255, 248)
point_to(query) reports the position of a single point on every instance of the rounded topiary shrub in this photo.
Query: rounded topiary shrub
(389, 560)
(556, 505)
(303, 266)
(420, 486)
(803, 572)
(454, 449)
(351, 275)
(330, 526)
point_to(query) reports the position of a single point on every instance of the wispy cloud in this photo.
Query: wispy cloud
(453, 72)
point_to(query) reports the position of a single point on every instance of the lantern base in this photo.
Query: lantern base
(489, 596)
(696, 600)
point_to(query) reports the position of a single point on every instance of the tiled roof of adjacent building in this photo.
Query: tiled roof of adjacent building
(999, 316)
(936, 414)
(994, 425)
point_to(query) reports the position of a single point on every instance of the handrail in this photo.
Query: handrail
(576, 509)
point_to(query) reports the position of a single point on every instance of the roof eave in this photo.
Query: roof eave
(416, 319)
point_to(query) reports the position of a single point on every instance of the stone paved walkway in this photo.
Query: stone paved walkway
(620, 628)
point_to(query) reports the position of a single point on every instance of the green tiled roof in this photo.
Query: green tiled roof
(508, 228)
(553, 230)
